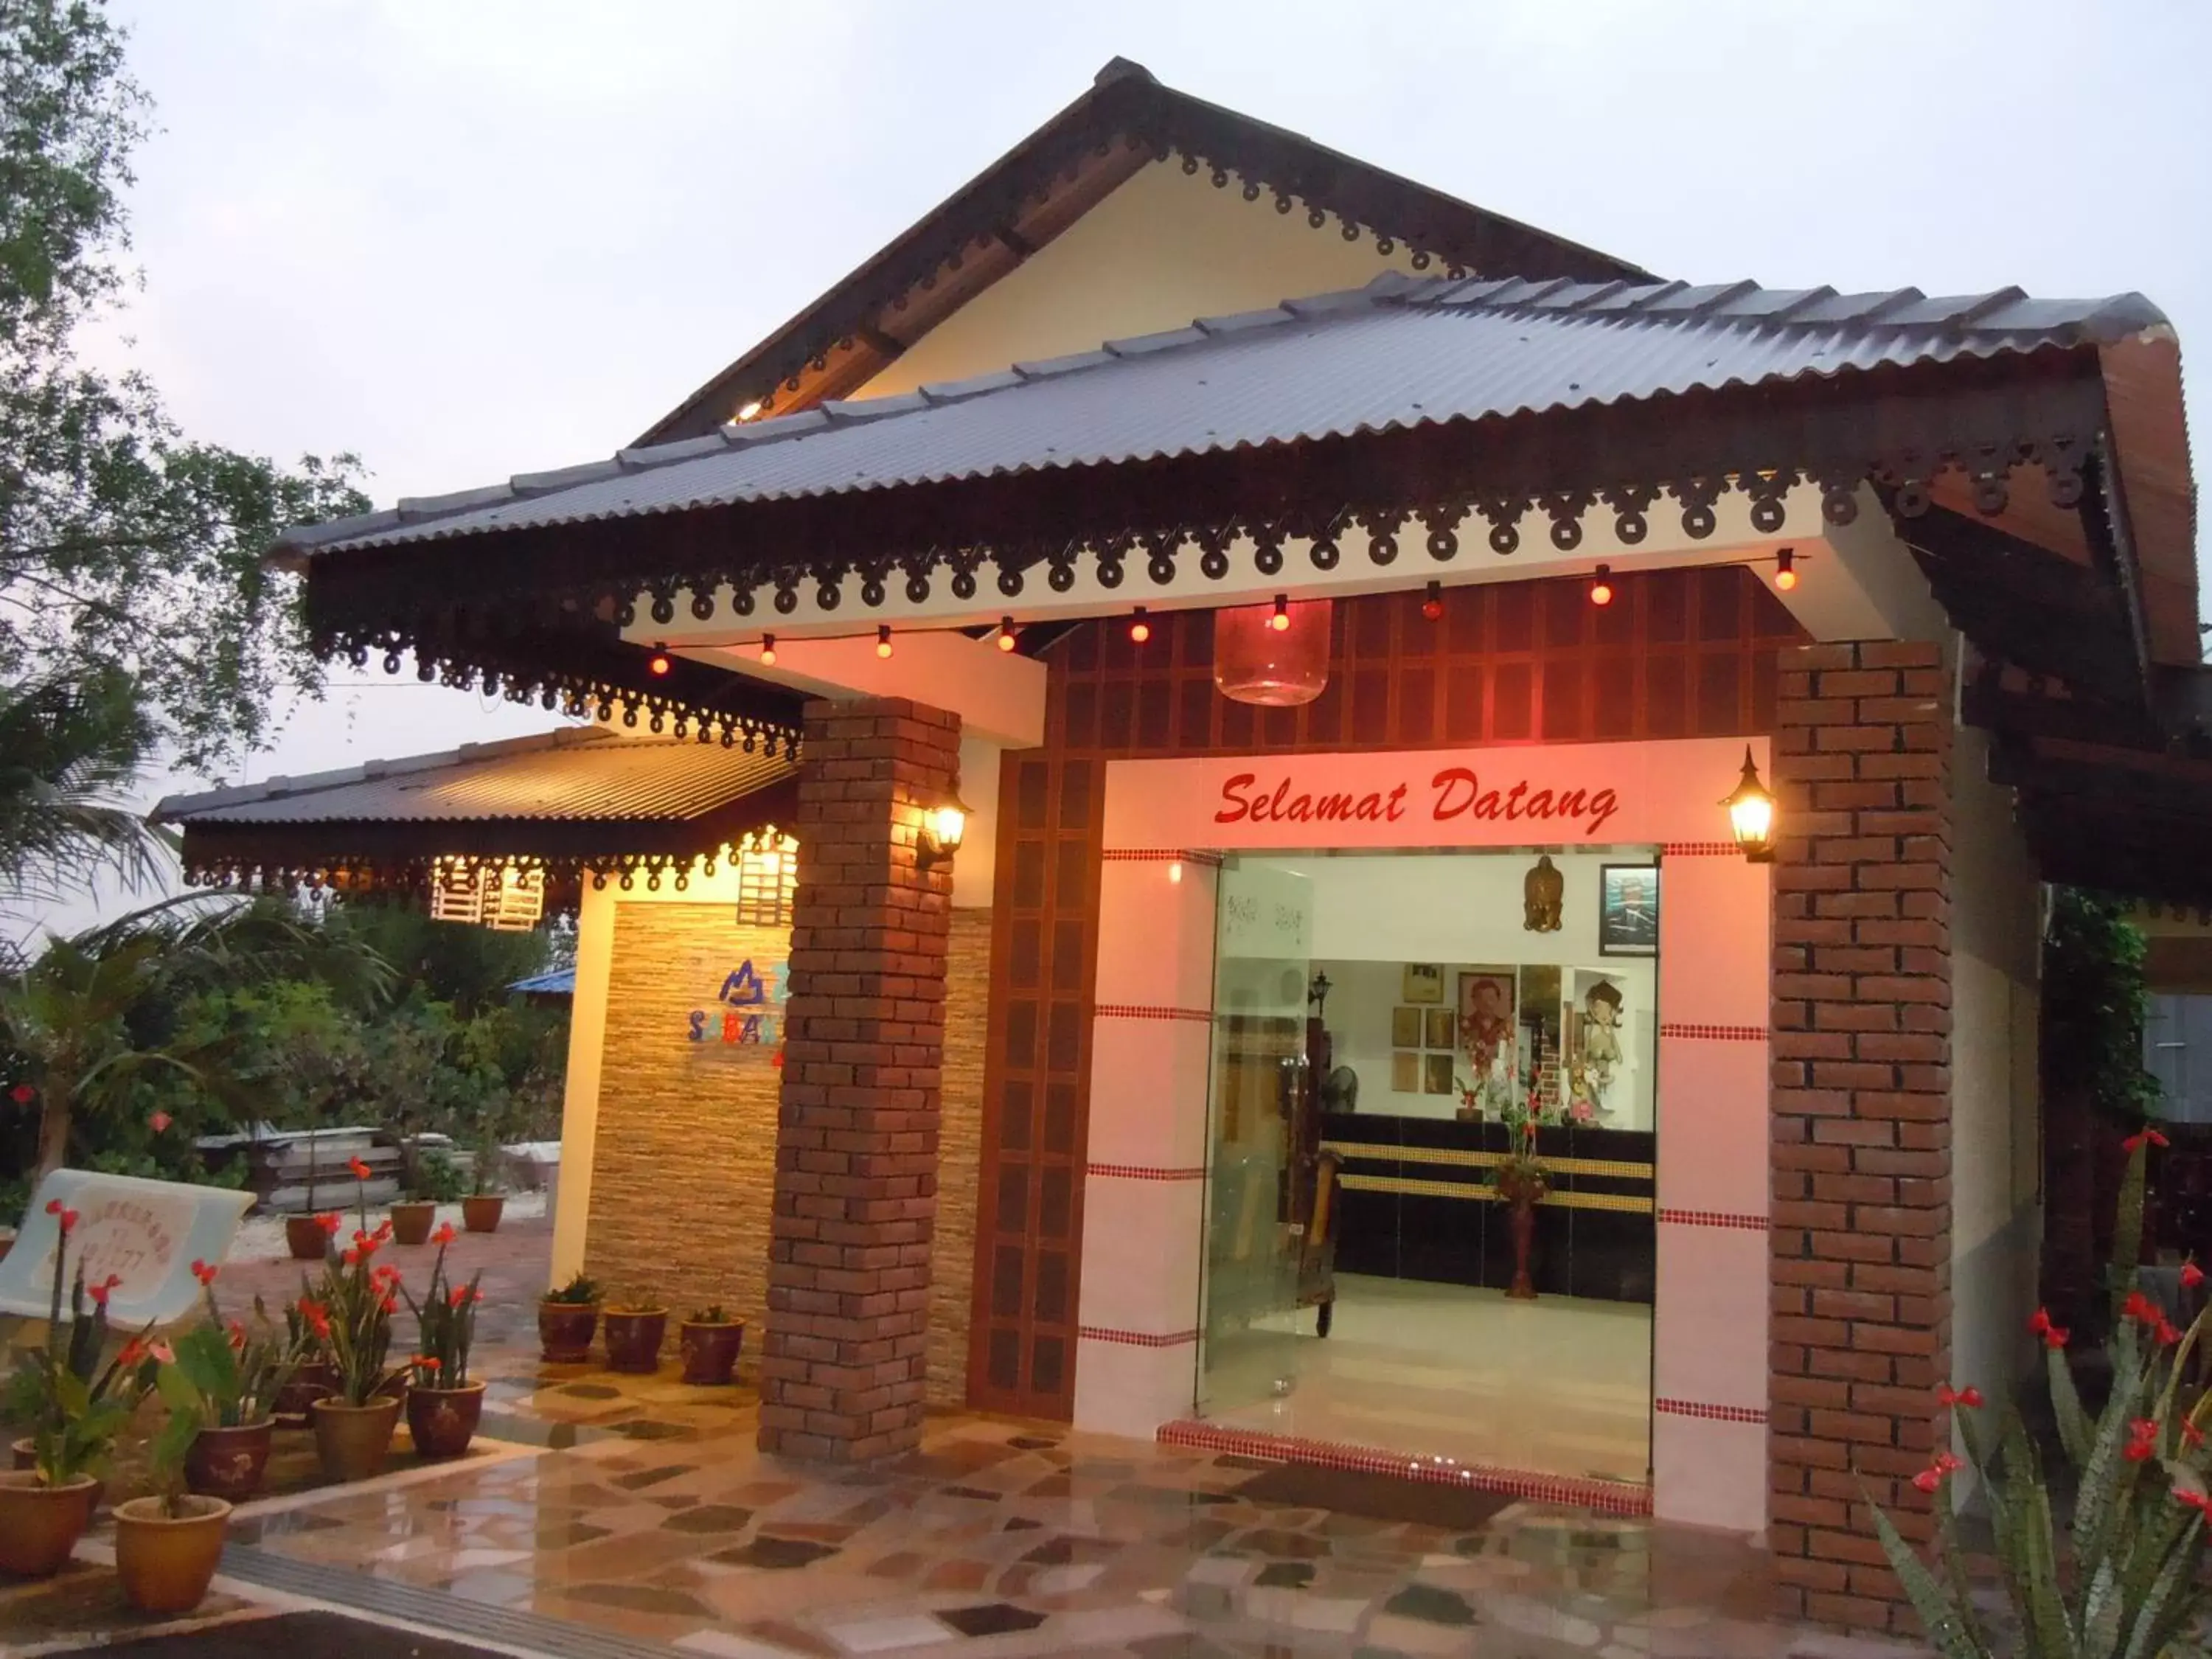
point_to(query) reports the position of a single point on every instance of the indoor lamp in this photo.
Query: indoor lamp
(1751, 813)
(1276, 655)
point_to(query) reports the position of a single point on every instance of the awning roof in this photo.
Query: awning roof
(569, 799)
(1401, 354)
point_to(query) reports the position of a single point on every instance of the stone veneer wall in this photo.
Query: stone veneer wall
(685, 1156)
(1861, 1329)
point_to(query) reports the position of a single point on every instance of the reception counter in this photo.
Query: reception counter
(1417, 1204)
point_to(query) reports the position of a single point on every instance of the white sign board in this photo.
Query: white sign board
(147, 1233)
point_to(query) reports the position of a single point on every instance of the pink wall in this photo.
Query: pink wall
(1149, 1077)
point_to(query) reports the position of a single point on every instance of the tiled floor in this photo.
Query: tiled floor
(634, 1515)
(1559, 1386)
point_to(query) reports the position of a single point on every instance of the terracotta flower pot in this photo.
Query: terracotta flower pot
(444, 1421)
(564, 1331)
(710, 1350)
(310, 1382)
(166, 1562)
(39, 1525)
(353, 1441)
(411, 1222)
(304, 1237)
(481, 1214)
(227, 1463)
(634, 1339)
(24, 1455)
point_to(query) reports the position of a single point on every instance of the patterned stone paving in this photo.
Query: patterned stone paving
(637, 1507)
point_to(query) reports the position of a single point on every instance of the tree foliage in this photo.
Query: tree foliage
(126, 547)
(2095, 998)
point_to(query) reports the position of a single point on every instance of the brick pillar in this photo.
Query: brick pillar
(1861, 1120)
(844, 1366)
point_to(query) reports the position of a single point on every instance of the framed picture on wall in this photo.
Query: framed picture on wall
(1425, 983)
(1487, 997)
(1405, 1028)
(1405, 1074)
(1437, 1074)
(1628, 910)
(1437, 1029)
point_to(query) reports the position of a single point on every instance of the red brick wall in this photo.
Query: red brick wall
(1861, 1120)
(844, 1367)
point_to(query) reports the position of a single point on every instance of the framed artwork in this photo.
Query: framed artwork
(1425, 983)
(1436, 1075)
(1628, 910)
(1405, 1028)
(1484, 1011)
(1438, 1030)
(1405, 1074)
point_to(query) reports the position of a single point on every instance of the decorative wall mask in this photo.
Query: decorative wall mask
(1542, 893)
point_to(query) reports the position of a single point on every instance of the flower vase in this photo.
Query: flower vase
(1521, 1221)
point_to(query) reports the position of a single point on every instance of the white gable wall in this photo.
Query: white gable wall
(1164, 248)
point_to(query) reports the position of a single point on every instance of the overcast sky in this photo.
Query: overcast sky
(468, 237)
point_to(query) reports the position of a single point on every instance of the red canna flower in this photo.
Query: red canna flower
(22, 1094)
(133, 1352)
(389, 1303)
(53, 1206)
(237, 1329)
(383, 1229)
(445, 1235)
(2142, 1444)
(101, 1291)
(360, 1170)
(2166, 1331)
(462, 1296)
(68, 1221)
(351, 1258)
(2201, 1502)
(2143, 1136)
(1938, 1471)
(2191, 1436)
(1971, 1398)
(428, 1362)
(2191, 1275)
(203, 1273)
(2054, 1336)
(160, 1122)
(330, 1224)
(2139, 1307)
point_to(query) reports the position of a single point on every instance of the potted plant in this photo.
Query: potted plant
(566, 1319)
(233, 1372)
(2125, 1577)
(443, 1405)
(635, 1334)
(1521, 1178)
(709, 1341)
(352, 1317)
(77, 1408)
(167, 1545)
(434, 1180)
(307, 1339)
(305, 1235)
(482, 1209)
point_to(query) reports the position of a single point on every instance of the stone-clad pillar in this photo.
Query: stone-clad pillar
(1861, 1329)
(843, 1369)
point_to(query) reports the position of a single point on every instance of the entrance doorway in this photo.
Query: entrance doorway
(1393, 1033)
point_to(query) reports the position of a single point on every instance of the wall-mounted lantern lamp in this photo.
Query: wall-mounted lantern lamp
(1751, 813)
(943, 827)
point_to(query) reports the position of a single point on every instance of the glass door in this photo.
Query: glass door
(1260, 1122)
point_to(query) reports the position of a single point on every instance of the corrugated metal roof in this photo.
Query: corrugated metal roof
(577, 775)
(1400, 353)
(561, 982)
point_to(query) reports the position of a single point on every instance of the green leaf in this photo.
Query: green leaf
(2066, 1406)
(1942, 1617)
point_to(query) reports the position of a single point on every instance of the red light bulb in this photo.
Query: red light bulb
(1139, 629)
(1280, 622)
(1005, 632)
(1600, 591)
(884, 641)
(1785, 571)
(768, 650)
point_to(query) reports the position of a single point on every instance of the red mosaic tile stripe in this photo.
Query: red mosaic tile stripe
(1156, 855)
(1700, 850)
(1143, 1172)
(1608, 1497)
(1137, 1338)
(1142, 1011)
(1716, 1033)
(1699, 1408)
(1736, 1219)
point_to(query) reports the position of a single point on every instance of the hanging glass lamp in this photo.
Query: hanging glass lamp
(1276, 655)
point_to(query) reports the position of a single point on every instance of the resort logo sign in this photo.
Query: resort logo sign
(748, 1017)
(1452, 792)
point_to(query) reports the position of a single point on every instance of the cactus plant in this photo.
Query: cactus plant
(2122, 1581)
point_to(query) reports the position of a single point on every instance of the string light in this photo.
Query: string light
(1433, 607)
(884, 640)
(768, 650)
(1601, 590)
(1139, 629)
(1175, 870)
(1005, 632)
(1785, 571)
(751, 411)
(1280, 622)
(657, 663)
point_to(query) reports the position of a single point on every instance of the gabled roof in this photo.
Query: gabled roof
(1049, 180)
(1399, 354)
